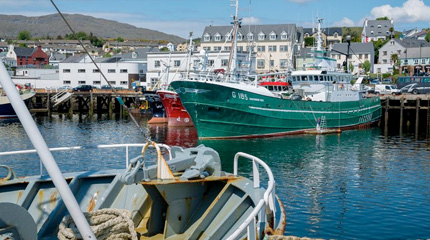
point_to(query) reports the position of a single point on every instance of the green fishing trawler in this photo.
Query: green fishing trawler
(320, 99)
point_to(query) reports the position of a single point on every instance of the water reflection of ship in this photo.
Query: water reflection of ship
(173, 136)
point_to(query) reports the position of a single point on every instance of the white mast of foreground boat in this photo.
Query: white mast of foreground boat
(45, 155)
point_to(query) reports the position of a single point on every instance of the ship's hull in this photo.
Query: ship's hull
(6, 109)
(221, 110)
(177, 116)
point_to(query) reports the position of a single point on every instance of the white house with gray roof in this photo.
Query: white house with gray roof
(79, 70)
(271, 43)
(359, 53)
(373, 30)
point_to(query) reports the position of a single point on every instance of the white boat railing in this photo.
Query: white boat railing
(57, 149)
(265, 205)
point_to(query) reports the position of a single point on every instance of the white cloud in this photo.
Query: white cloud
(410, 11)
(251, 20)
(344, 22)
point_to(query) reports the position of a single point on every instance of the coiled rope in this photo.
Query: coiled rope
(106, 224)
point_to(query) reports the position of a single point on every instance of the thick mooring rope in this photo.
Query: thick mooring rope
(107, 224)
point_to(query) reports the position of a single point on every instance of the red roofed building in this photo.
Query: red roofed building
(28, 57)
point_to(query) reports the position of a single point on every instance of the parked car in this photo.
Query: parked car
(416, 88)
(387, 89)
(375, 81)
(387, 81)
(106, 87)
(83, 88)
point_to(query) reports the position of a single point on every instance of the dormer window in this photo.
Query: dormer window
(371, 32)
(261, 36)
(228, 37)
(239, 36)
(207, 37)
(284, 36)
(335, 35)
(250, 36)
(217, 37)
(379, 26)
(307, 35)
(272, 36)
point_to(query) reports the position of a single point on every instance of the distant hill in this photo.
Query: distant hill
(53, 25)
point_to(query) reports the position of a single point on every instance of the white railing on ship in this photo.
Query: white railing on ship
(267, 201)
(57, 149)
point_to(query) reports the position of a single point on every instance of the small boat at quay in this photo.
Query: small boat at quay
(6, 109)
(238, 107)
(188, 196)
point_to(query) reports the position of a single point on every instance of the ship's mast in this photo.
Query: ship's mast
(232, 69)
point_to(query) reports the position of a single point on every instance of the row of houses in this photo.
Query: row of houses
(275, 47)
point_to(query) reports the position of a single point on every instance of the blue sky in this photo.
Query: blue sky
(179, 17)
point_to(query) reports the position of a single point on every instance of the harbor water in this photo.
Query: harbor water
(359, 184)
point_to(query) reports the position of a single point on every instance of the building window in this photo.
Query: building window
(228, 36)
(261, 36)
(283, 63)
(211, 63)
(250, 48)
(64, 70)
(227, 48)
(384, 61)
(207, 37)
(416, 61)
(272, 36)
(111, 71)
(260, 63)
(154, 81)
(366, 56)
(81, 82)
(384, 53)
(177, 63)
(283, 48)
(240, 49)
(272, 48)
(157, 64)
(360, 56)
(217, 48)
(217, 37)
(371, 32)
(112, 82)
(250, 37)
(284, 36)
(96, 82)
(224, 62)
(96, 71)
(123, 71)
(67, 82)
(335, 34)
(81, 70)
(123, 83)
(261, 48)
(239, 37)
(272, 63)
(208, 49)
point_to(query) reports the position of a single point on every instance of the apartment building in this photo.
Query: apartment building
(273, 44)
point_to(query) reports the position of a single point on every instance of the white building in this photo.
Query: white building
(80, 70)
(166, 67)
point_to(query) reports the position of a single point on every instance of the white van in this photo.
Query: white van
(387, 89)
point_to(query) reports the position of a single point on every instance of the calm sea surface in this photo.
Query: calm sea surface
(356, 185)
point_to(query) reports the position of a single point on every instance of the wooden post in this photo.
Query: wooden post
(428, 118)
(111, 101)
(71, 107)
(386, 116)
(417, 120)
(48, 104)
(402, 106)
(91, 105)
